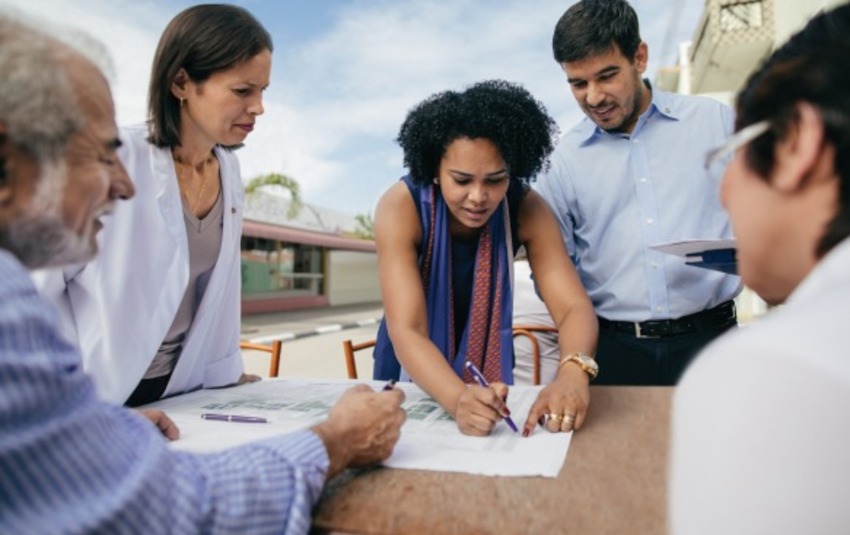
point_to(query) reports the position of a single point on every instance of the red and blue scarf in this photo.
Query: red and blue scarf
(487, 338)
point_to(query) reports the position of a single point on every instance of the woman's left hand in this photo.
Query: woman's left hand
(562, 405)
(248, 378)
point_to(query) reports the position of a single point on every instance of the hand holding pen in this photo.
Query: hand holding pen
(478, 410)
(362, 427)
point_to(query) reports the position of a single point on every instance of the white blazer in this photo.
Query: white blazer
(122, 303)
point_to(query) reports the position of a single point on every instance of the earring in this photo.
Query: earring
(435, 180)
(182, 101)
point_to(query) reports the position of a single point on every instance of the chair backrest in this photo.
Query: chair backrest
(349, 348)
(273, 349)
(528, 331)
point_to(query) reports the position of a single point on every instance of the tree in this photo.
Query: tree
(365, 227)
(278, 179)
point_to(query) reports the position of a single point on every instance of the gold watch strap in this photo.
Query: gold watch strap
(577, 358)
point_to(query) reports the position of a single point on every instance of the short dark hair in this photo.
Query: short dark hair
(811, 67)
(499, 111)
(203, 40)
(592, 27)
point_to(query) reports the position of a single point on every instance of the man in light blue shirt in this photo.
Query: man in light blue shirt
(69, 462)
(629, 176)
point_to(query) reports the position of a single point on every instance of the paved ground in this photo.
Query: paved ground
(312, 339)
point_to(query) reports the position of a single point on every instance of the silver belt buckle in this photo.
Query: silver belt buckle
(639, 333)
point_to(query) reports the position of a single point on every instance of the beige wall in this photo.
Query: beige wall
(352, 278)
(792, 15)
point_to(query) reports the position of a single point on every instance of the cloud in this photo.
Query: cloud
(340, 91)
(352, 85)
(130, 31)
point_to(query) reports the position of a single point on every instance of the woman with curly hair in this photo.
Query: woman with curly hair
(446, 236)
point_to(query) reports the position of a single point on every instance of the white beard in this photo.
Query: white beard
(40, 237)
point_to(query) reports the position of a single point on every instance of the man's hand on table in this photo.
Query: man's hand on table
(362, 428)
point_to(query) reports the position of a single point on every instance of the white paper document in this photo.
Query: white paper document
(430, 439)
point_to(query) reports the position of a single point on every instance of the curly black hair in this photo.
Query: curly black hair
(499, 111)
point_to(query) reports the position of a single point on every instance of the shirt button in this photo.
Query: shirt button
(643, 180)
(635, 141)
(659, 308)
(649, 221)
(656, 265)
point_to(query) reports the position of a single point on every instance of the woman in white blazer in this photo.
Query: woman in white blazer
(157, 313)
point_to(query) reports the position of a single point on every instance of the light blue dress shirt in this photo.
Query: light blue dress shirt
(70, 463)
(616, 194)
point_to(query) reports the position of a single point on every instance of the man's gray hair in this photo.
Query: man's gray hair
(38, 104)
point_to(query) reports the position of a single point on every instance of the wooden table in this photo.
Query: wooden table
(613, 481)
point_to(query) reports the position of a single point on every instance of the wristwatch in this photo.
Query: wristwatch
(584, 362)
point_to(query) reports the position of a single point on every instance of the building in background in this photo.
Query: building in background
(732, 38)
(311, 260)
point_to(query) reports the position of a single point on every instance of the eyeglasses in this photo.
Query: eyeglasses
(738, 140)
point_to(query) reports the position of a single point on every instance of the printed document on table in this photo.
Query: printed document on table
(430, 439)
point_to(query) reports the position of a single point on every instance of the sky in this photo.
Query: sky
(346, 72)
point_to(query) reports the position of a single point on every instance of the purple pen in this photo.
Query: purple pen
(235, 418)
(479, 378)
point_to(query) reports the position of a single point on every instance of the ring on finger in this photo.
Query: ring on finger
(554, 417)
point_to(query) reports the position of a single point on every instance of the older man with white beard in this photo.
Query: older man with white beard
(69, 462)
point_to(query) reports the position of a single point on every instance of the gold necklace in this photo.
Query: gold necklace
(182, 177)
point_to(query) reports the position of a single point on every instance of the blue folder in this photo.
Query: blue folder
(717, 259)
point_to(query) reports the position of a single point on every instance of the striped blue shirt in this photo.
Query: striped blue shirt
(70, 463)
(615, 194)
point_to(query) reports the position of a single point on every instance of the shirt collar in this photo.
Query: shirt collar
(661, 102)
(831, 270)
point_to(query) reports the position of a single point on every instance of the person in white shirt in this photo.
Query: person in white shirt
(761, 421)
(530, 310)
(157, 313)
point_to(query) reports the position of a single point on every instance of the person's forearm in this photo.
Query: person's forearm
(338, 454)
(579, 330)
(274, 480)
(429, 370)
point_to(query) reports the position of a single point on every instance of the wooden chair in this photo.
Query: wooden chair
(519, 330)
(273, 349)
(350, 348)
(528, 331)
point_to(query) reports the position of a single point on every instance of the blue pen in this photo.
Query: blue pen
(483, 382)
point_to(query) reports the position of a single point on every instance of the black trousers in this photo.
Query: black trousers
(148, 391)
(627, 360)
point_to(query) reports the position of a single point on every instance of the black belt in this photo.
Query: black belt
(720, 316)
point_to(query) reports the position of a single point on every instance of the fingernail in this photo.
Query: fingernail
(525, 432)
(507, 411)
